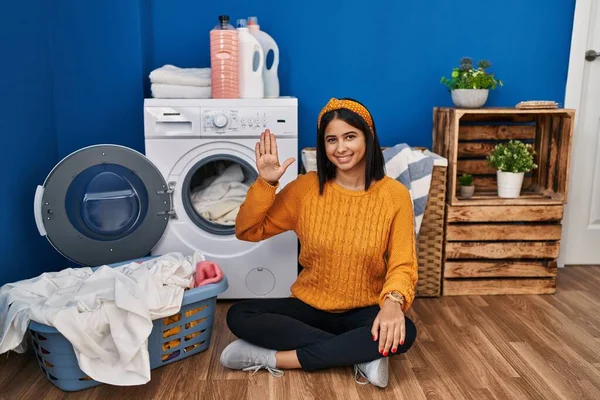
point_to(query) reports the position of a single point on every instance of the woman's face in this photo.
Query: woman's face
(345, 145)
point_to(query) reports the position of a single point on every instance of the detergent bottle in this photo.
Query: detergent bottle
(271, 81)
(224, 54)
(251, 61)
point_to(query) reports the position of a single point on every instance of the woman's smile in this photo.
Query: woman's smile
(346, 158)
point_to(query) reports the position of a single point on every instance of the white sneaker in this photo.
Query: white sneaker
(248, 357)
(376, 372)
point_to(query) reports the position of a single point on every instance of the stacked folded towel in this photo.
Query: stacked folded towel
(171, 82)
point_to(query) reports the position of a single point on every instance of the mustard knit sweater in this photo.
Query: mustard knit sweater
(356, 246)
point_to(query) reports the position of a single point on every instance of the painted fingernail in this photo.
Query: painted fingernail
(380, 351)
(394, 350)
(374, 338)
(402, 343)
(385, 354)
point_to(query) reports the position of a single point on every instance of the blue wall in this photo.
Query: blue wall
(77, 74)
(98, 80)
(390, 55)
(29, 137)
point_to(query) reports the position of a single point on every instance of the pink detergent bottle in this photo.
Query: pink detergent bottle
(224, 54)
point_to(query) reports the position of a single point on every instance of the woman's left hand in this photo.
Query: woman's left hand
(389, 327)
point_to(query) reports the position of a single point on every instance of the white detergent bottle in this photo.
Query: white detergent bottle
(251, 62)
(271, 81)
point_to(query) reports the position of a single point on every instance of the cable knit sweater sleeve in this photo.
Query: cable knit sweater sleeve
(266, 213)
(402, 267)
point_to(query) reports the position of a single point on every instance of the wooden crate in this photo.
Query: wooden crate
(466, 136)
(501, 249)
(494, 245)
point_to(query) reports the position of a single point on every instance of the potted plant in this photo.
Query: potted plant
(466, 185)
(511, 161)
(470, 86)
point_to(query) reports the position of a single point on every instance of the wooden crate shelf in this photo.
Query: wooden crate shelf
(495, 246)
(501, 249)
(466, 137)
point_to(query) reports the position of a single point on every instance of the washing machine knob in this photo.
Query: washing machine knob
(220, 120)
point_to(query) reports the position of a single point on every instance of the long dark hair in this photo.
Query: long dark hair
(374, 166)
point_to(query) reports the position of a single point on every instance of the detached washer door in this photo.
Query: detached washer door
(103, 204)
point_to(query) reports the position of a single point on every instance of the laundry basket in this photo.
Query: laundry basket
(172, 339)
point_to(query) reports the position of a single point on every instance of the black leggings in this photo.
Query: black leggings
(322, 339)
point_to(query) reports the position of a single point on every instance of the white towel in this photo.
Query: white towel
(106, 314)
(164, 91)
(220, 200)
(172, 75)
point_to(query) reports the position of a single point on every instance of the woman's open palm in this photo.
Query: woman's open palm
(267, 159)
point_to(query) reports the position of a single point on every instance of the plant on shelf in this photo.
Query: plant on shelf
(466, 185)
(469, 85)
(511, 161)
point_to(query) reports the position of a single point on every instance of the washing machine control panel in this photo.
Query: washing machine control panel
(248, 121)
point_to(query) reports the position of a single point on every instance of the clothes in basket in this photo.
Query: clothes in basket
(175, 324)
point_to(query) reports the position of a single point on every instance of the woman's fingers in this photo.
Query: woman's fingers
(257, 151)
(375, 329)
(267, 142)
(396, 340)
(287, 163)
(389, 340)
(383, 334)
(262, 143)
(274, 146)
(402, 331)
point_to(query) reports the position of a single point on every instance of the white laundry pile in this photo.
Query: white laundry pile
(219, 198)
(171, 82)
(105, 313)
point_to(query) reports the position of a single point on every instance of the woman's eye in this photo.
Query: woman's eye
(351, 137)
(331, 140)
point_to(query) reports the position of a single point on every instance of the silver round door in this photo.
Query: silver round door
(103, 204)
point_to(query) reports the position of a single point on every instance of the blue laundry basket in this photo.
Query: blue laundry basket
(172, 338)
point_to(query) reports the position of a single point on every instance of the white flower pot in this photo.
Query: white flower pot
(469, 98)
(467, 191)
(509, 184)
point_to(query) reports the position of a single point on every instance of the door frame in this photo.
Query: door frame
(579, 38)
(574, 85)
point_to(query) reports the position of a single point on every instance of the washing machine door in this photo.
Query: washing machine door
(103, 204)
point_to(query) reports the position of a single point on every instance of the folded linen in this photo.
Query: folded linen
(172, 75)
(164, 91)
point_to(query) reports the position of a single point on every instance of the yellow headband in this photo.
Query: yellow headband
(335, 104)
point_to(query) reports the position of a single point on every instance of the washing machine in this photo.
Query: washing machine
(108, 203)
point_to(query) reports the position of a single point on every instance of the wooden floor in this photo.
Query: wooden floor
(495, 347)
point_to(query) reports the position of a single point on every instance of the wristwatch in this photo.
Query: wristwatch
(396, 297)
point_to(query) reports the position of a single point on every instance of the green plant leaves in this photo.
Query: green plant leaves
(468, 77)
(514, 156)
(466, 180)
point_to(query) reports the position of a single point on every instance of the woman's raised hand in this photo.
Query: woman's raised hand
(267, 159)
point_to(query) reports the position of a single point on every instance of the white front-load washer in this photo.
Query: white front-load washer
(106, 203)
(191, 141)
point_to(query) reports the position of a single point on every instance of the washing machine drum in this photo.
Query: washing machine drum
(103, 204)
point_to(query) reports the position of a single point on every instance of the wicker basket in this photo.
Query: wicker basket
(431, 236)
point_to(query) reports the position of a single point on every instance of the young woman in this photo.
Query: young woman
(356, 230)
